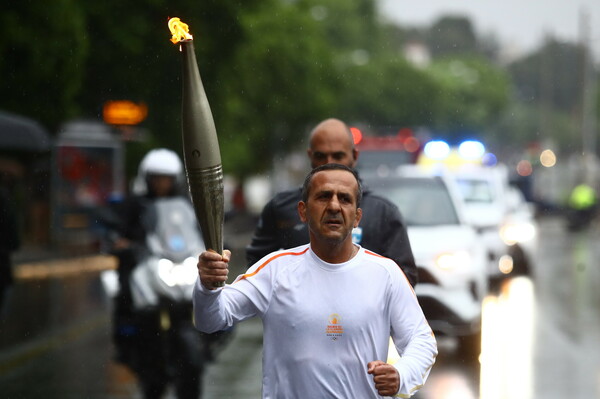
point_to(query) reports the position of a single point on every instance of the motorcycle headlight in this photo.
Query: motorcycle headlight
(512, 233)
(449, 261)
(178, 274)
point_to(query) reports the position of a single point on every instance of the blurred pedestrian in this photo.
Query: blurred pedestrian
(9, 237)
(328, 307)
(381, 229)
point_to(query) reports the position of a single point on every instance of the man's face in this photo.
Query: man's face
(332, 146)
(161, 185)
(330, 211)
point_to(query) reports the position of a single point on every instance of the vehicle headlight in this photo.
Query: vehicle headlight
(452, 260)
(178, 274)
(512, 233)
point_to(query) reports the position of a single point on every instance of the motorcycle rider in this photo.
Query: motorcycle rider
(159, 344)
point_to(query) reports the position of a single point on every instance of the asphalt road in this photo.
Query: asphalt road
(540, 338)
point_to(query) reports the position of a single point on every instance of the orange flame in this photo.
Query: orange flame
(179, 30)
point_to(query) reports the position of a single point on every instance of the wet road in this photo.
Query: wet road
(540, 340)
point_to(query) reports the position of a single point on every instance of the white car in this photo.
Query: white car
(501, 216)
(448, 252)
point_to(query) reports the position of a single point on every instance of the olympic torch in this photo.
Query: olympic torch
(201, 154)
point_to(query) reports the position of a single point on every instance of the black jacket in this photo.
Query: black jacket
(383, 230)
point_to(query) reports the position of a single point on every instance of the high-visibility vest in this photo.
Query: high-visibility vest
(582, 197)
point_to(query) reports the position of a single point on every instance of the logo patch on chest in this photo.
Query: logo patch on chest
(334, 328)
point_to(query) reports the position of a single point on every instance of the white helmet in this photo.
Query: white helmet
(161, 162)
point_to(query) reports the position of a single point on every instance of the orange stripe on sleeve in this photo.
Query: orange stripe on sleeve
(269, 261)
(404, 275)
(374, 254)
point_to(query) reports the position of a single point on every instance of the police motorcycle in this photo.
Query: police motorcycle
(169, 348)
(154, 331)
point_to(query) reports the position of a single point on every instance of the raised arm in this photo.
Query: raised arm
(219, 308)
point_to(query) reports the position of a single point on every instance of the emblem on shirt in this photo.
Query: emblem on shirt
(334, 328)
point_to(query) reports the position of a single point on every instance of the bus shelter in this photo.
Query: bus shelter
(87, 174)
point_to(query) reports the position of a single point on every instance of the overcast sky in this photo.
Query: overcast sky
(520, 24)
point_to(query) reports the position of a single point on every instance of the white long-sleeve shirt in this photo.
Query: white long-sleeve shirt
(323, 323)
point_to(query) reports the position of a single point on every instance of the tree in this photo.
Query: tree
(549, 85)
(388, 92)
(551, 75)
(135, 60)
(278, 81)
(376, 85)
(520, 124)
(271, 69)
(473, 93)
(43, 45)
(452, 35)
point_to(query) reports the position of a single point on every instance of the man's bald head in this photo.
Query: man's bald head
(331, 142)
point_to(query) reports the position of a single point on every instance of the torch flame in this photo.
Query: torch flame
(179, 30)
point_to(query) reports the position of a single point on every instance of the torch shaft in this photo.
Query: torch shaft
(202, 156)
(206, 188)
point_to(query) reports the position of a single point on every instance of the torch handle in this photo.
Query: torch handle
(206, 189)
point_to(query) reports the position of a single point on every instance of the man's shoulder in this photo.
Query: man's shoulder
(287, 196)
(281, 258)
(371, 199)
(376, 259)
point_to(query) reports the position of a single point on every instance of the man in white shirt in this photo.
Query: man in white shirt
(328, 307)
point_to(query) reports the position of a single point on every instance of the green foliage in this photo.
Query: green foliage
(346, 24)
(135, 60)
(388, 91)
(552, 75)
(375, 85)
(276, 83)
(548, 86)
(42, 47)
(271, 69)
(473, 92)
(452, 35)
(520, 125)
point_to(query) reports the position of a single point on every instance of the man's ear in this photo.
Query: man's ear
(302, 211)
(358, 217)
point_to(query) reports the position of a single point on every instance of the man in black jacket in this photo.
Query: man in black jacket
(381, 229)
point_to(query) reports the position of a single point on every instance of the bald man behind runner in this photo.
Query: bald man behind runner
(381, 229)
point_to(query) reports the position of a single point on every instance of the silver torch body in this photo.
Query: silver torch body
(202, 156)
